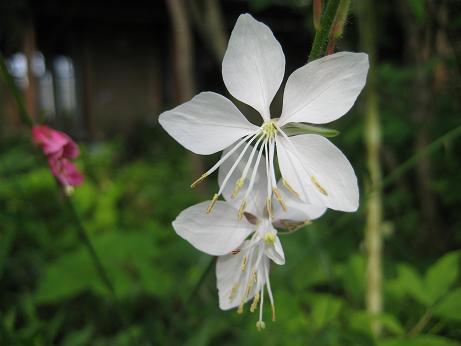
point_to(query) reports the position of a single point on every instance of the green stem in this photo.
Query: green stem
(421, 324)
(9, 81)
(321, 36)
(83, 235)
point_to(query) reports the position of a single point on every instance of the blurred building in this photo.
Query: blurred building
(98, 69)
(94, 68)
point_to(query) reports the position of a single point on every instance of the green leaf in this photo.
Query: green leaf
(293, 129)
(421, 340)
(409, 282)
(129, 258)
(325, 308)
(352, 275)
(361, 321)
(450, 306)
(441, 276)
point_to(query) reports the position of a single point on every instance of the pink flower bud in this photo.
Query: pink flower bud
(65, 171)
(55, 144)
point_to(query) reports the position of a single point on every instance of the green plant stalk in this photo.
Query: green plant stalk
(83, 235)
(421, 324)
(9, 81)
(373, 207)
(321, 36)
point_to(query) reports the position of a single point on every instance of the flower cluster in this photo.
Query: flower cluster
(60, 150)
(313, 173)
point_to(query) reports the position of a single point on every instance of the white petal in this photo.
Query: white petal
(230, 277)
(325, 89)
(318, 171)
(297, 210)
(275, 252)
(206, 124)
(217, 233)
(254, 64)
(257, 198)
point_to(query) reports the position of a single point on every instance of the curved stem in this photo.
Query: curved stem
(321, 36)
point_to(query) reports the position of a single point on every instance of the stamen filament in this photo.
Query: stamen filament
(224, 158)
(239, 158)
(269, 291)
(247, 167)
(260, 324)
(253, 175)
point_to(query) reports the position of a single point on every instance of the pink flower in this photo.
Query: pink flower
(54, 143)
(60, 149)
(65, 171)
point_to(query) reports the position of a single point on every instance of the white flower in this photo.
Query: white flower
(319, 92)
(245, 246)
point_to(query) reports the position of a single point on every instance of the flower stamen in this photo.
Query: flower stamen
(289, 188)
(238, 185)
(234, 290)
(213, 202)
(199, 180)
(243, 205)
(318, 186)
(279, 198)
(244, 264)
(255, 302)
(269, 208)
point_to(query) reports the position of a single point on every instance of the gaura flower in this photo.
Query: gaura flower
(54, 143)
(245, 246)
(317, 93)
(66, 172)
(60, 149)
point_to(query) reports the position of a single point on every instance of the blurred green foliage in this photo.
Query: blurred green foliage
(51, 292)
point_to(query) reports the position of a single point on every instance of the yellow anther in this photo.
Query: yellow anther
(269, 238)
(260, 325)
(213, 202)
(255, 276)
(242, 209)
(289, 188)
(238, 185)
(255, 302)
(269, 208)
(240, 309)
(234, 290)
(199, 180)
(318, 186)
(278, 196)
(243, 266)
(273, 313)
(251, 283)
